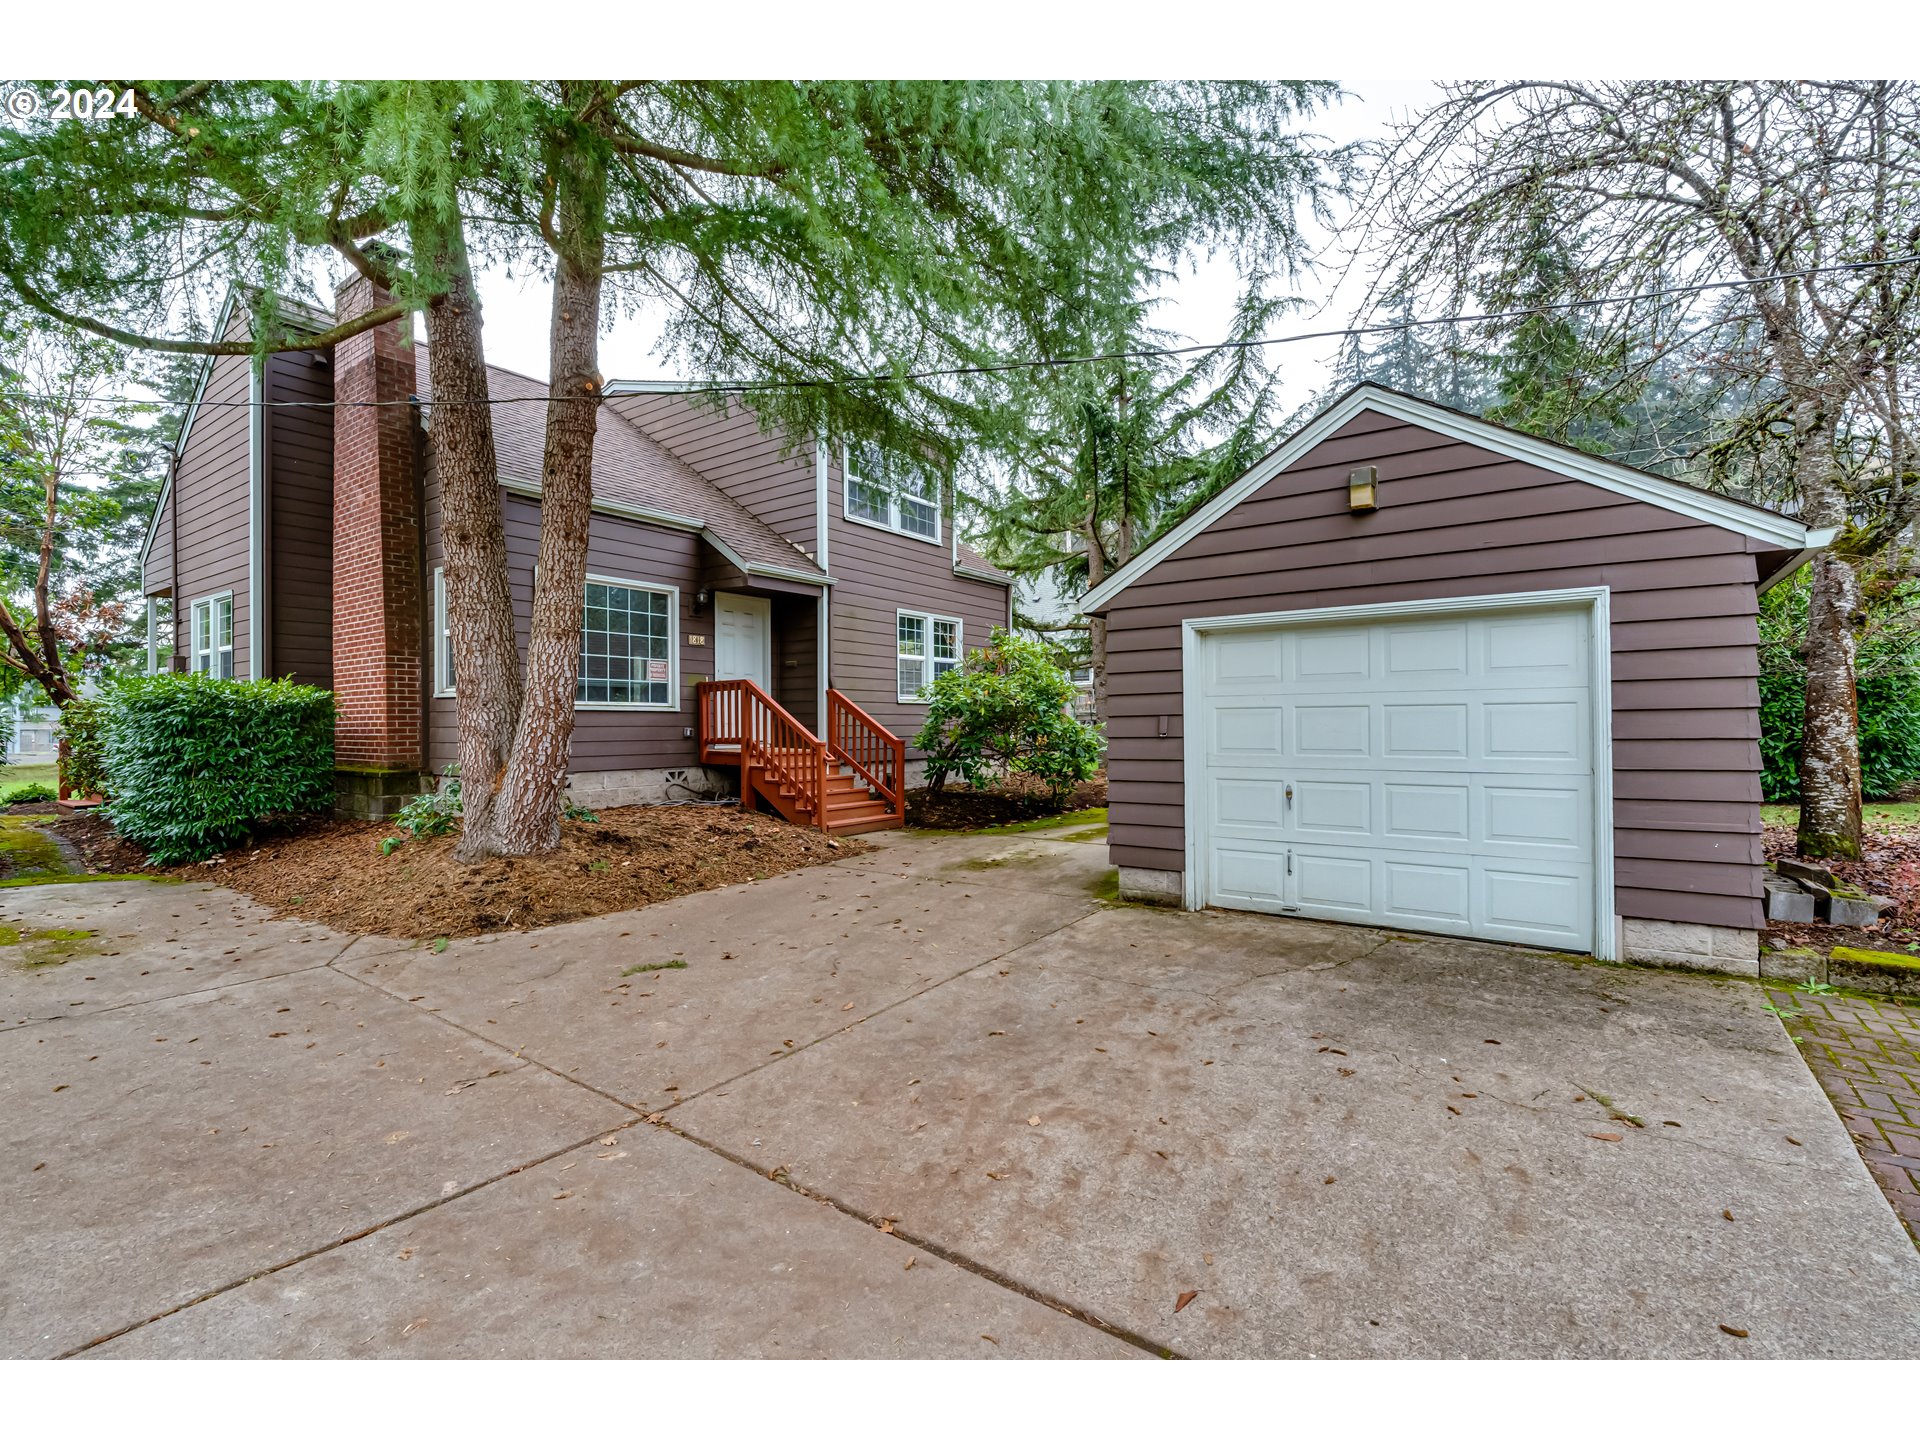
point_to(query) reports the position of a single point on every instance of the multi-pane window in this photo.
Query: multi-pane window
(442, 637)
(896, 496)
(211, 651)
(929, 646)
(626, 646)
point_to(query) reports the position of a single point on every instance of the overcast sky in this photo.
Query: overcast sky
(1200, 304)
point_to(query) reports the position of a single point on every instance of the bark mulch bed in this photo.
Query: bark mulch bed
(959, 808)
(1890, 866)
(332, 871)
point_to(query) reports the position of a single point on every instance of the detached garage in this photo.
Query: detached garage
(1419, 671)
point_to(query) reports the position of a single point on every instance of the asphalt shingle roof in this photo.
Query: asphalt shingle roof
(629, 468)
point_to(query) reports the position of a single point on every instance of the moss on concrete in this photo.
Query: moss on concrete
(1070, 820)
(43, 949)
(27, 850)
(21, 881)
(9, 935)
(1877, 959)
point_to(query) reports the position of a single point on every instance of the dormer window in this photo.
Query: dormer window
(890, 495)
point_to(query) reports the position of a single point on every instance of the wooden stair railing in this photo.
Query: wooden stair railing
(872, 751)
(811, 782)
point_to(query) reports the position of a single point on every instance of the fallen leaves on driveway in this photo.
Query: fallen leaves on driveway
(1737, 1334)
(1602, 1135)
(1186, 1298)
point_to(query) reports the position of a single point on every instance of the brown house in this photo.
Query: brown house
(1419, 671)
(752, 605)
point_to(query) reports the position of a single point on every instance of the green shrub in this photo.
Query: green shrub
(31, 792)
(1008, 709)
(83, 740)
(198, 765)
(432, 812)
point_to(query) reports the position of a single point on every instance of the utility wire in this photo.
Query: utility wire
(749, 387)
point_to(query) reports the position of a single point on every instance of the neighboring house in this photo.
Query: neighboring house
(1516, 698)
(1042, 598)
(305, 542)
(34, 741)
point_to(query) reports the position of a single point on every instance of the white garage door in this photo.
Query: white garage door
(1426, 774)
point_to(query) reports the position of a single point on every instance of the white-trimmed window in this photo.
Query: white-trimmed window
(891, 495)
(929, 646)
(211, 651)
(442, 637)
(629, 646)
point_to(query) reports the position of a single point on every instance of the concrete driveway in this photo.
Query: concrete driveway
(937, 1100)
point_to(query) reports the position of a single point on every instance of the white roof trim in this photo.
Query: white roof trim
(1780, 530)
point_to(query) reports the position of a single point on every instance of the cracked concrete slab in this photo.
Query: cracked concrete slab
(770, 968)
(142, 941)
(1338, 1160)
(159, 1151)
(650, 1248)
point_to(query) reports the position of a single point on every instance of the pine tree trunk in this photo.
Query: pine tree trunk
(1830, 724)
(1830, 733)
(473, 532)
(526, 820)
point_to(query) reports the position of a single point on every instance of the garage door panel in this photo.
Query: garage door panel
(1427, 811)
(1322, 731)
(1425, 732)
(1535, 904)
(1535, 817)
(1535, 650)
(1441, 774)
(1241, 805)
(1337, 885)
(1248, 874)
(1334, 808)
(1248, 730)
(1427, 654)
(1422, 893)
(1534, 729)
(1336, 654)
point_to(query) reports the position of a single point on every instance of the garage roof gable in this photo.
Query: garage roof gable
(1758, 523)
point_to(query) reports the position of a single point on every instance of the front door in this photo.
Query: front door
(743, 638)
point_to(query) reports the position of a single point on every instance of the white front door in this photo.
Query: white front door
(1425, 774)
(743, 638)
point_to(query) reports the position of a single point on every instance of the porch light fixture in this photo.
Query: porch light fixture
(1362, 487)
(702, 598)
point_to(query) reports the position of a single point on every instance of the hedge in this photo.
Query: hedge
(83, 757)
(1889, 733)
(197, 765)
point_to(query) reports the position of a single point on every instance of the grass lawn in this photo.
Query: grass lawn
(1877, 815)
(11, 775)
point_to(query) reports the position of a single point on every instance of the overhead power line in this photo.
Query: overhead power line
(750, 387)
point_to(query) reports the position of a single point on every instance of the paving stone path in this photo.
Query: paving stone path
(1866, 1055)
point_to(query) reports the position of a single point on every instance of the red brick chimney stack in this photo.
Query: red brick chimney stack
(377, 590)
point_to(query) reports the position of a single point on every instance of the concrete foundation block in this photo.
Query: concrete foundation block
(1680, 946)
(1859, 911)
(1787, 901)
(1888, 972)
(608, 789)
(1793, 966)
(1151, 887)
(375, 794)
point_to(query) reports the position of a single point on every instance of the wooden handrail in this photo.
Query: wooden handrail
(873, 751)
(739, 712)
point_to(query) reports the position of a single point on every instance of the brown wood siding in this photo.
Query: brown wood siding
(156, 569)
(621, 550)
(210, 489)
(728, 448)
(878, 573)
(1455, 520)
(796, 657)
(299, 445)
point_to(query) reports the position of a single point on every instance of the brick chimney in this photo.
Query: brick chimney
(377, 591)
